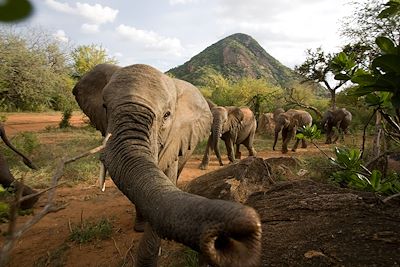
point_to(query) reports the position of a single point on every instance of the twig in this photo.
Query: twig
(391, 197)
(39, 193)
(128, 251)
(15, 234)
(115, 245)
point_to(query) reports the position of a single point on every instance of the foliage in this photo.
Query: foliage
(320, 66)
(380, 85)
(352, 174)
(86, 57)
(4, 207)
(67, 114)
(88, 231)
(364, 25)
(15, 10)
(34, 72)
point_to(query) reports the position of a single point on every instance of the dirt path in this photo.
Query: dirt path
(47, 244)
(22, 122)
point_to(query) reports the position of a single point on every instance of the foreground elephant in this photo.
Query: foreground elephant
(7, 179)
(156, 122)
(235, 126)
(339, 118)
(289, 122)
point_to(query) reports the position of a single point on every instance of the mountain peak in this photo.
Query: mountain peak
(234, 57)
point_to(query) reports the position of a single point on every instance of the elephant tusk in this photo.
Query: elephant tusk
(103, 170)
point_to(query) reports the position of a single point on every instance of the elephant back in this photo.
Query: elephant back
(88, 94)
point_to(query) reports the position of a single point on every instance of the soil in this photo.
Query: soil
(47, 243)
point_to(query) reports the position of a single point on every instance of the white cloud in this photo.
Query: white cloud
(150, 39)
(96, 13)
(177, 2)
(90, 28)
(60, 36)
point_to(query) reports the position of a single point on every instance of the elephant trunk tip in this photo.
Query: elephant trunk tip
(237, 243)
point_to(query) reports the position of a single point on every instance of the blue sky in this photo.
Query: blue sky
(167, 33)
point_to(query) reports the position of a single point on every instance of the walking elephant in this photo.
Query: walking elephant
(289, 122)
(7, 179)
(340, 118)
(155, 122)
(235, 126)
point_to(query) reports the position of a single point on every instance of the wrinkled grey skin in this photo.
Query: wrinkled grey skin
(156, 122)
(8, 180)
(289, 122)
(235, 126)
(340, 119)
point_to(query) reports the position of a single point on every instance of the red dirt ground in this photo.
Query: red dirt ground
(47, 244)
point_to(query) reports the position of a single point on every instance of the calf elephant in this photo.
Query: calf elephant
(235, 126)
(7, 179)
(155, 122)
(289, 122)
(339, 118)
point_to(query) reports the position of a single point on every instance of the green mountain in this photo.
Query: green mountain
(234, 57)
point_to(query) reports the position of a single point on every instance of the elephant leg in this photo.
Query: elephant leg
(285, 141)
(248, 143)
(229, 150)
(238, 154)
(140, 222)
(206, 156)
(296, 145)
(149, 245)
(303, 143)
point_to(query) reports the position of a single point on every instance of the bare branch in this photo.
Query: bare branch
(15, 234)
(292, 100)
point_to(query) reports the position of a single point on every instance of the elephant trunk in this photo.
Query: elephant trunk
(216, 130)
(277, 130)
(226, 233)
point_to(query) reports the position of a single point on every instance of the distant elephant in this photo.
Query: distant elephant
(339, 118)
(266, 123)
(289, 122)
(7, 179)
(155, 123)
(235, 126)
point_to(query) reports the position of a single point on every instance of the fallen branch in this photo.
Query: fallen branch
(14, 234)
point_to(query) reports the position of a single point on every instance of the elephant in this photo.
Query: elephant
(340, 118)
(7, 180)
(288, 122)
(235, 126)
(155, 123)
(266, 123)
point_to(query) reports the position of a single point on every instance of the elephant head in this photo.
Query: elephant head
(224, 119)
(156, 122)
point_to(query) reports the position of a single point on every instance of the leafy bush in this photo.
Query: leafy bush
(67, 114)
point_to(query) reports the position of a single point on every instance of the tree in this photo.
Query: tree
(364, 26)
(85, 57)
(34, 71)
(320, 67)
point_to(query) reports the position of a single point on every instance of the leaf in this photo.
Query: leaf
(373, 100)
(300, 136)
(14, 10)
(391, 11)
(363, 79)
(375, 178)
(342, 77)
(386, 45)
(388, 63)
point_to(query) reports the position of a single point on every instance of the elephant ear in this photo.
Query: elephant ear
(88, 94)
(235, 115)
(191, 124)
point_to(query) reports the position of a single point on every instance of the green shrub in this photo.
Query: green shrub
(67, 114)
(88, 231)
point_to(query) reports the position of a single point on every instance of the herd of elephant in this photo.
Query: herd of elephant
(153, 122)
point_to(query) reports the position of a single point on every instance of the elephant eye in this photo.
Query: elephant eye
(166, 115)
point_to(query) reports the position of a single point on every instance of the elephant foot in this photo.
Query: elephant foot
(221, 164)
(238, 155)
(203, 166)
(304, 146)
(284, 151)
(294, 150)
